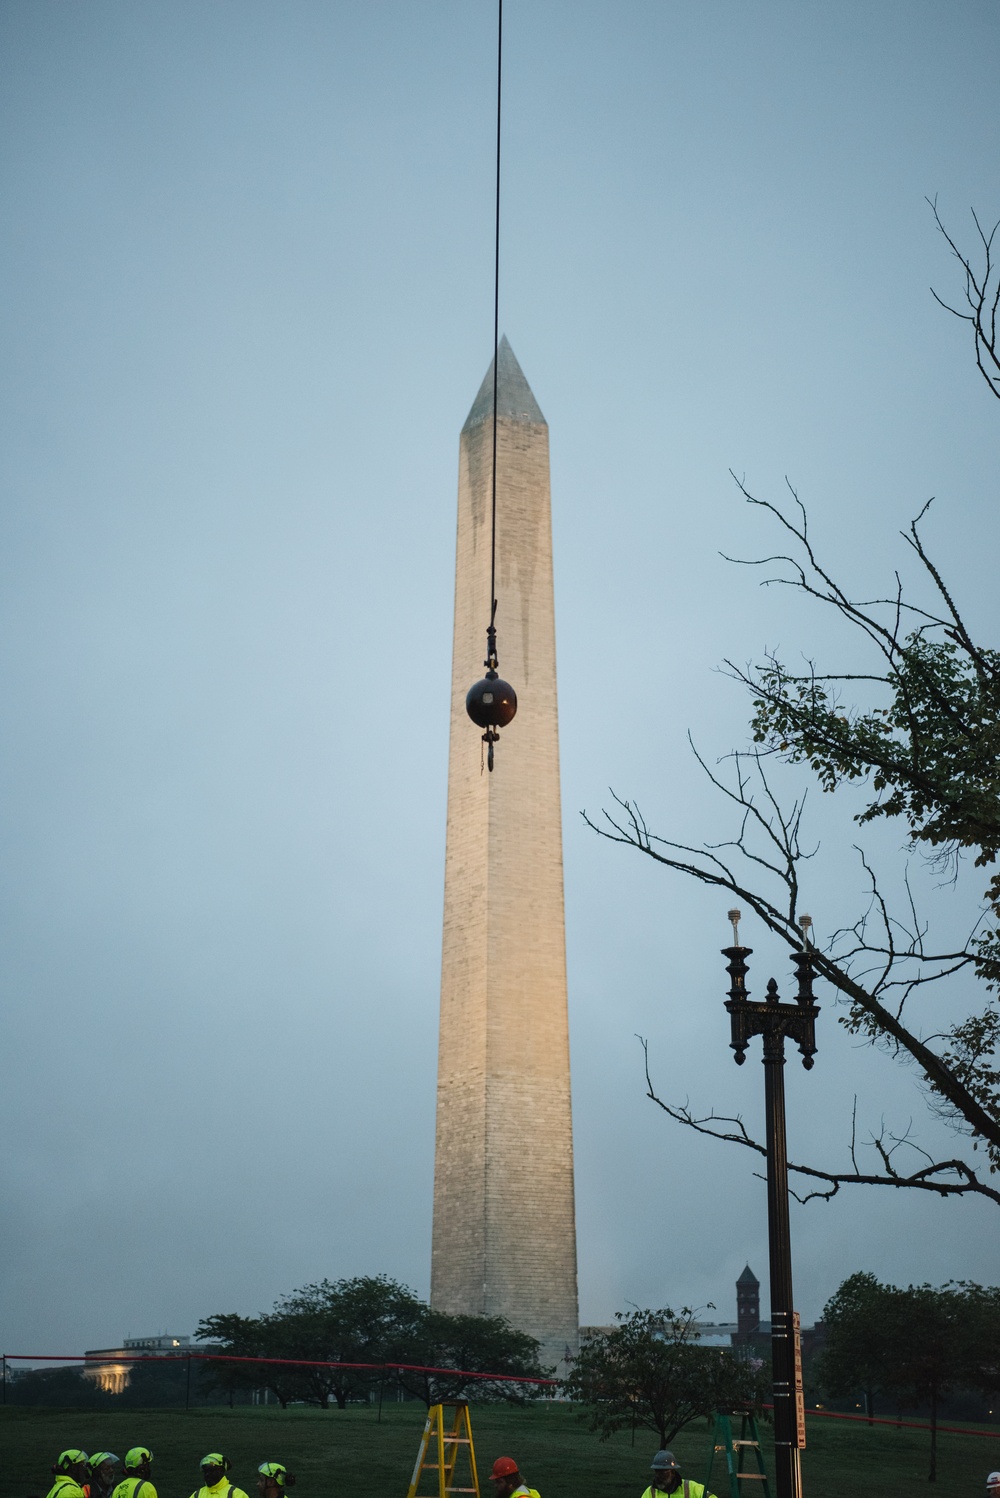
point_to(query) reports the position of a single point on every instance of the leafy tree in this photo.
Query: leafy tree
(472, 1344)
(350, 1330)
(364, 1321)
(252, 1338)
(64, 1388)
(856, 1353)
(931, 1344)
(982, 1371)
(649, 1371)
(920, 1344)
(159, 1383)
(922, 737)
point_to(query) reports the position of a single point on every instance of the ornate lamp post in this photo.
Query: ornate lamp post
(774, 1021)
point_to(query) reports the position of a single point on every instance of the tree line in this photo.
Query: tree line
(374, 1320)
(911, 1347)
(650, 1371)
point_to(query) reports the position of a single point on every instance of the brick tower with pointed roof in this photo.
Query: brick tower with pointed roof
(504, 1240)
(747, 1303)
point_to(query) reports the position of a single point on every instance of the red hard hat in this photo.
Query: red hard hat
(504, 1466)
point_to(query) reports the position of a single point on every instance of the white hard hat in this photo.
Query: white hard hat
(993, 1481)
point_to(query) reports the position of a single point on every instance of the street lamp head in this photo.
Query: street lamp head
(805, 925)
(736, 1004)
(734, 917)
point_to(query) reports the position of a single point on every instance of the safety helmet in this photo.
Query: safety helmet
(664, 1461)
(69, 1458)
(993, 1481)
(136, 1457)
(98, 1459)
(275, 1471)
(216, 1459)
(504, 1466)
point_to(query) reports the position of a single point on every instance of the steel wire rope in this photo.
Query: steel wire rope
(491, 634)
(490, 702)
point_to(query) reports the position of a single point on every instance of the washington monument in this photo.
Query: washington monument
(504, 1229)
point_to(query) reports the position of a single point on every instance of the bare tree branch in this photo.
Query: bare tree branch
(931, 1177)
(868, 1013)
(982, 298)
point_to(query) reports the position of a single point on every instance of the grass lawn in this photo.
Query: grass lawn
(348, 1454)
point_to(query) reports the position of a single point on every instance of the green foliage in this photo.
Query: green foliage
(154, 1383)
(64, 1387)
(920, 1344)
(649, 1371)
(856, 1357)
(475, 1344)
(981, 1369)
(249, 1337)
(931, 753)
(931, 756)
(369, 1321)
(926, 743)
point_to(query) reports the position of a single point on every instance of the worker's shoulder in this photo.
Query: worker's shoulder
(65, 1487)
(235, 1492)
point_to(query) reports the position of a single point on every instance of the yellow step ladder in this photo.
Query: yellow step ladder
(440, 1450)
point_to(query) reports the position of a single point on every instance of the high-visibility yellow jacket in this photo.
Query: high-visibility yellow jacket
(686, 1489)
(65, 1487)
(525, 1492)
(222, 1489)
(134, 1487)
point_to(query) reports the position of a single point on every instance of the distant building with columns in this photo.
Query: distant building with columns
(109, 1367)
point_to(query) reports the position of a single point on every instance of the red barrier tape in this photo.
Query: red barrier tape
(226, 1357)
(509, 1378)
(952, 1430)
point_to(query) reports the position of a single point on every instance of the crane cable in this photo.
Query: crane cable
(491, 634)
(492, 703)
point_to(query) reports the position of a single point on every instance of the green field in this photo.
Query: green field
(349, 1454)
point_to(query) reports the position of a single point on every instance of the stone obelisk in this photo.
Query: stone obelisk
(504, 1228)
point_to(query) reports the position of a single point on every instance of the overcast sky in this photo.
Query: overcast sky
(247, 303)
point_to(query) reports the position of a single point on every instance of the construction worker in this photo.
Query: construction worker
(667, 1479)
(507, 1481)
(104, 1468)
(138, 1467)
(273, 1479)
(71, 1472)
(215, 1483)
